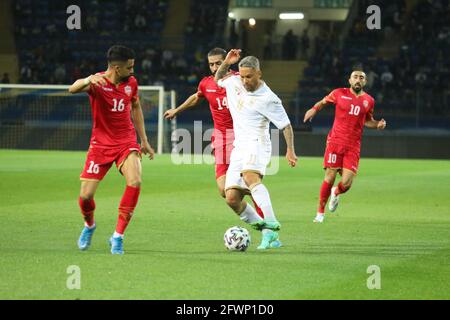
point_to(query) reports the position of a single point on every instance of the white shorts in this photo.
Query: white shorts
(253, 158)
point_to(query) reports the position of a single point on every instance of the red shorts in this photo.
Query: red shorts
(222, 159)
(338, 157)
(100, 160)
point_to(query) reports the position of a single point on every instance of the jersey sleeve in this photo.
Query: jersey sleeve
(135, 96)
(369, 114)
(275, 112)
(227, 81)
(332, 97)
(201, 90)
(92, 90)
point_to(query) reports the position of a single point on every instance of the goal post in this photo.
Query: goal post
(49, 117)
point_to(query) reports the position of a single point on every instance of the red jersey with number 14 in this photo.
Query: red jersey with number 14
(351, 113)
(217, 98)
(111, 113)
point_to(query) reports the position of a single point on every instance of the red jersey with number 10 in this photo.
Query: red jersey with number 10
(351, 113)
(111, 113)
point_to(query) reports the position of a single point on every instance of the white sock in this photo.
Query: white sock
(117, 235)
(91, 227)
(262, 198)
(249, 215)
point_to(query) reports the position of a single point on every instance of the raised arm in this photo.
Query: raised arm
(290, 153)
(83, 85)
(138, 120)
(232, 57)
(190, 102)
(309, 115)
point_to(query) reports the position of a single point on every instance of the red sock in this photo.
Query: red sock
(87, 207)
(325, 192)
(341, 189)
(126, 207)
(258, 210)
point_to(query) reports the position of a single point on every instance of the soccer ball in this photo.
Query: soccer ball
(237, 239)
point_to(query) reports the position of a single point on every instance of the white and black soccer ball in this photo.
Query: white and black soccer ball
(237, 239)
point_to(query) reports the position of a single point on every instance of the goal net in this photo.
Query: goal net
(48, 117)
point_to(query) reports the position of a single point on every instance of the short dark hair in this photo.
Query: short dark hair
(120, 53)
(358, 67)
(218, 52)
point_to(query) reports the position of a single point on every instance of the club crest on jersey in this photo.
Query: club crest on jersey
(366, 104)
(128, 90)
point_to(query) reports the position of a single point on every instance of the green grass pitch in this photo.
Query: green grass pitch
(396, 216)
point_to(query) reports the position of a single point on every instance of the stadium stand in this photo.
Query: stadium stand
(52, 54)
(411, 87)
(415, 80)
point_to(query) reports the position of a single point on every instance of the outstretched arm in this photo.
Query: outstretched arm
(193, 100)
(232, 57)
(138, 120)
(374, 124)
(83, 85)
(309, 115)
(289, 137)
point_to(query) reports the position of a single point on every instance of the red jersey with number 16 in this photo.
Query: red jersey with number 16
(111, 113)
(351, 113)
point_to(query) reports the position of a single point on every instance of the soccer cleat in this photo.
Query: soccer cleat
(275, 244)
(259, 225)
(272, 225)
(267, 238)
(334, 200)
(116, 244)
(319, 217)
(85, 238)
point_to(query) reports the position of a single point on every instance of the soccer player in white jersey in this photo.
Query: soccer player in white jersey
(253, 106)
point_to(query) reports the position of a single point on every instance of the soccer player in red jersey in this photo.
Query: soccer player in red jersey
(223, 136)
(354, 110)
(115, 108)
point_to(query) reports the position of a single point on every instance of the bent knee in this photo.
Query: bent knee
(347, 184)
(252, 181)
(86, 195)
(233, 202)
(134, 182)
(330, 176)
(330, 179)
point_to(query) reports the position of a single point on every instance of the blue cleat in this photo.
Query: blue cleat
(275, 244)
(85, 238)
(116, 245)
(268, 238)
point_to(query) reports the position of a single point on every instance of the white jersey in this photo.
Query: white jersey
(252, 112)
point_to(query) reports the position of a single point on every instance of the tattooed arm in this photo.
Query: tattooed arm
(289, 137)
(232, 57)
